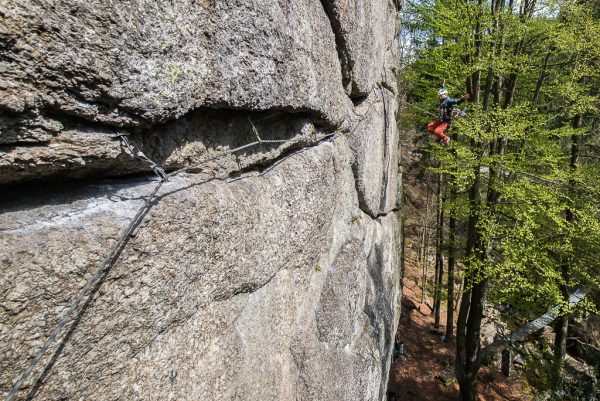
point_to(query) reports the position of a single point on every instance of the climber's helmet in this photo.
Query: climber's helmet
(443, 93)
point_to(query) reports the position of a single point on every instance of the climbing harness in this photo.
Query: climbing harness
(450, 111)
(135, 152)
(149, 202)
(456, 112)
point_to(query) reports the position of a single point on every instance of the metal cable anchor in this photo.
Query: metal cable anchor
(135, 152)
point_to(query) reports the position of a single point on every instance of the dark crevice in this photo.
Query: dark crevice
(248, 288)
(340, 44)
(301, 369)
(176, 144)
(386, 155)
(379, 215)
(379, 312)
(21, 144)
(358, 100)
(318, 118)
(388, 87)
(371, 215)
(23, 196)
(362, 202)
(16, 124)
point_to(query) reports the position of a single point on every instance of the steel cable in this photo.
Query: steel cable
(118, 247)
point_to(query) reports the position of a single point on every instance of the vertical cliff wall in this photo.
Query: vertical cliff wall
(270, 273)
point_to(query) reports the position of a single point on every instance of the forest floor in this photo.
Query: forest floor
(415, 378)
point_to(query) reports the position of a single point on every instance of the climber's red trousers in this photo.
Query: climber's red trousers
(437, 128)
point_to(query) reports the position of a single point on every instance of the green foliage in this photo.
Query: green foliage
(537, 73)
(526, 227)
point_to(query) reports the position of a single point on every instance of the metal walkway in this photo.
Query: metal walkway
(448, 375)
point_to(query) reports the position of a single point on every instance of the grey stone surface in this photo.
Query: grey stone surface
(73, 67)
(73, 72)
(375, 143)
(225, 292)
(82, 151)
(492, 326)
(588, 332)
(271, 274)
(141, 62)
(365, 32)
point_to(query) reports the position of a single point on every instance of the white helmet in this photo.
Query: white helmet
(442, 92)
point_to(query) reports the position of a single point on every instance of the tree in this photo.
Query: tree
(531, 214)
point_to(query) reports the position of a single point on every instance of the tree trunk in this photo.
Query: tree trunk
(562, 328)
(439, 261)
(497, 90)
(450, 305)
(497, 44)
(471, 312)
(510, 90)
(425, 253)
(489, 83)
(499, 80)
(541, 78)
(466, 353)
(476, 76)
(560, 343)
(451, 261)
(473, 342)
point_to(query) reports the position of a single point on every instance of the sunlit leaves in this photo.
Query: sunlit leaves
(553, 55)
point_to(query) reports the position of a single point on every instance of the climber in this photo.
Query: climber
(447, 112)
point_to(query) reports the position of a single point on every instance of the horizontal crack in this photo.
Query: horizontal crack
(175, 145)
(379, 215)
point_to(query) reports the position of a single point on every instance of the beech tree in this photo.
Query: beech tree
(525, 157)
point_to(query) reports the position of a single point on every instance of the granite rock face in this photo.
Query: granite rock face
(241, 295)
(364, 32)
(83, 151)
(74, 72)
(131, 63)
(376, 160)
(271, 273)
(95, 66)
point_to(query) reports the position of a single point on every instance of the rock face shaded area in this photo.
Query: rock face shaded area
(271, 274)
